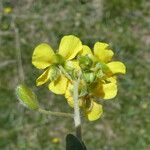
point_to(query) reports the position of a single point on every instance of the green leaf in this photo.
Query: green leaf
(73, 143)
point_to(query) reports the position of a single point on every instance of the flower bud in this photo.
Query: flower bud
(100, 74)
(89, 77)
(85, 62)
(27, 97)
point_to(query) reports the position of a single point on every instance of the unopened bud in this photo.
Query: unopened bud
(85, 62)
(89, 77)
(100, 74)
(27, 97)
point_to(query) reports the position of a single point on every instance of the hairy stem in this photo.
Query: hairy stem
(58, 114)
(77, 119)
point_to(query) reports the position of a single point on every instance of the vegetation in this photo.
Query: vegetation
(125, 124)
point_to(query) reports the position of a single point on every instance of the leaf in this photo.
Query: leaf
(73, 143)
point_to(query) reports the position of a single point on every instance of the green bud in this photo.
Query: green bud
(100, 74)
(27, 97)
(85, 62)
(70, 70)
(58, 59)
(89, 77)
(54, 73)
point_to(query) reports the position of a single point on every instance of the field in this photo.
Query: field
(125, 124)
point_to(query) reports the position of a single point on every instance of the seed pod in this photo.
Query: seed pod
(27, 97)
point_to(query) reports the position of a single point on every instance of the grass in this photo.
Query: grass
(125, 124)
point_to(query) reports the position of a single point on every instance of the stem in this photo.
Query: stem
(58, 114)
(77, 119)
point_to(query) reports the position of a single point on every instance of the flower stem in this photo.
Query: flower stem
(77, 119)
(58, 114)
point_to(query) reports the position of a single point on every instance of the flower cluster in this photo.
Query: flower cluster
(74, 60)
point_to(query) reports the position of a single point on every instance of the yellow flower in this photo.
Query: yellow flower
(7, 10)
(105, 87)
(44, 58)
(102, 74)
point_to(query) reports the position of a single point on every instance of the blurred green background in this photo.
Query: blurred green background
(124, 24)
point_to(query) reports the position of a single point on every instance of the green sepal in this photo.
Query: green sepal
(102, 66)
(58, 59)
(54, 73)
(27, 97)
(71, 71)
(83, 91)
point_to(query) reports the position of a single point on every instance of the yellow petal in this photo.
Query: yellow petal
(59, 86)
(42, 56)
(85, 50)
(69, 95)
(102, 52)
(109, 90)
(117, 67)
(70, 101)
(105, 90)
(112, 79)
(69, 46)
(95, 112)
(73, 64)
(43, 78)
